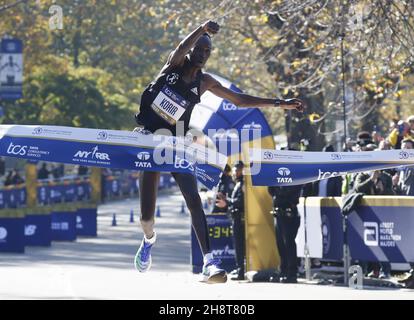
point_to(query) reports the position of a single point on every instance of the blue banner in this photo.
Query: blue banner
(63, 226)
(12, 235)
(86, 222)
(12, 198)
(113, 149)
(11, 69)
(221, 242)
(286, 168)
(37, 230)
(382, 233)
(379, 230)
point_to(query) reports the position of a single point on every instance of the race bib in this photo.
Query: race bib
(169, 105)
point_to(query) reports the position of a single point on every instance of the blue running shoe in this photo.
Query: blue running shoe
(212, 273)
(143, 259)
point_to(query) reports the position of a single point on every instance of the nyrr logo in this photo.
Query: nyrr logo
(143, 158)
(172, 78)
(180, 163)
(29, 230)
(17, 149)
(328, 174)
(94, 154)
(284, 172)
(3, 233)
(252, 125)
(371, 234)
(268, 155)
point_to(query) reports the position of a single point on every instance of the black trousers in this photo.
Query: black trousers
(148, 187)
(286, 231)
(239, 240)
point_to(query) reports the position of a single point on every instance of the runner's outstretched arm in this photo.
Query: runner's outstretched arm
(245, 100)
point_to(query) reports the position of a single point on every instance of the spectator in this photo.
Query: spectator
(398, 134)
(364, 138)
(2, 166)
(16, 178)
(9, 177)
(82, 171)
(43, 172)
(403, 180)
(384, 145)
(58, 171)
(410, 121)
(328, 187)
(349, 145)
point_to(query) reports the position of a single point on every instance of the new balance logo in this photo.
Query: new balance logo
(194, 90)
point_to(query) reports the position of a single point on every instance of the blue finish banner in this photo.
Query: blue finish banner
(221, 243)
(37, 230)
(113, 149)
(286, 168)
(63, 226)
(12, 235)
(86, 222)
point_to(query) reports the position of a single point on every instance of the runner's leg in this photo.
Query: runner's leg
(188, 186)
(148, 187)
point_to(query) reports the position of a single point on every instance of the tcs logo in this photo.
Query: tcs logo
(17, 149)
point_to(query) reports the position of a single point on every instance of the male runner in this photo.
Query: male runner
(170, 98)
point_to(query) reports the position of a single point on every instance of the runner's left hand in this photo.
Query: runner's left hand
(293, 104)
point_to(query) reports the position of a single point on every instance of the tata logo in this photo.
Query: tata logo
(3, 233)
(181, 163)
(78, 219)
(16, 149)
(37, 131)
(30, 230)
(144, 156)
(139, 164)
(284, 172)
(268, 155)
(328, 174)
(371, 234)
(228, 106)
(336, 156)
(94, 154)
(102, 135)
(404, 155)
(172, 78)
